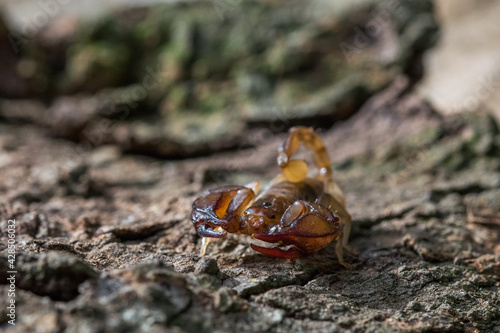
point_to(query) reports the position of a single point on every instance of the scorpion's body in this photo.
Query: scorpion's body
(282, 194)
(308, 189)
(307, 213)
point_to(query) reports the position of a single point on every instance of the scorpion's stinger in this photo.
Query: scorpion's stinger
(296, 170)
(311, 141)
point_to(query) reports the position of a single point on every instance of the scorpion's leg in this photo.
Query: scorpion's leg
(296, 170)
(308, 227)
(328, 201)
(220, 210)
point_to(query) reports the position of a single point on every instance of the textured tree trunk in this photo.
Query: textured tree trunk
(109, 241)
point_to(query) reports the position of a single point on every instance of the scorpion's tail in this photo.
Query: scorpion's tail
(296, 170)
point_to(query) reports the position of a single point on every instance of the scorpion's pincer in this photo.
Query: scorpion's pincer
(310, 228)
(205, 221)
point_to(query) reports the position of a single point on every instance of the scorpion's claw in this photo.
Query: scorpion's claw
(205, 231)
(308, 227)
(220, 208)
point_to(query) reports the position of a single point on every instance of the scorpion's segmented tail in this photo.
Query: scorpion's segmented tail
(296, 170)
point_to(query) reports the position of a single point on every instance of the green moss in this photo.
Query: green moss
(96, 65)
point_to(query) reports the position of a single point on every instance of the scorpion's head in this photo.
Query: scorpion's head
(263, 215)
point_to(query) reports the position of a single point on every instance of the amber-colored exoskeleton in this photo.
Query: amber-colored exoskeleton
(307, 213)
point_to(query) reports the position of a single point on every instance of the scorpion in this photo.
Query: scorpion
(303, 214)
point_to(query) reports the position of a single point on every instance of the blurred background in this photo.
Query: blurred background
(176, 79)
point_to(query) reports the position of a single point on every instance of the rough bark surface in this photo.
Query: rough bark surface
(105, 242)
